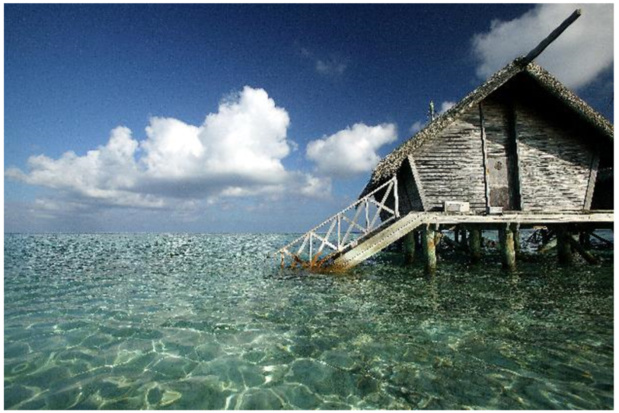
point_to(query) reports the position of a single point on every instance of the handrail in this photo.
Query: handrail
(341, 227)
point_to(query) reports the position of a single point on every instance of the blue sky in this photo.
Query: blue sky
(246, 118)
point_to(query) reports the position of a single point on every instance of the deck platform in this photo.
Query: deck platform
(523, 218)
(373, 239)
(414, 220)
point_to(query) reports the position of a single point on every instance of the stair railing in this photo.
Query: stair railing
(336, 234)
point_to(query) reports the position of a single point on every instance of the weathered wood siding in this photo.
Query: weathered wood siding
(407, 189)
(554, 163)
(408, 193)
(450, 165)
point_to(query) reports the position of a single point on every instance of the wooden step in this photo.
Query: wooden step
(378, 241)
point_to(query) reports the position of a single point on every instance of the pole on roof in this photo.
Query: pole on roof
(551, 37)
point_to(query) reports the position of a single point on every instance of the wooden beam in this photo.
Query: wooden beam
(484, 152)
(428, 243)
(517, 246)
(551, 37)
(515, 162)
(550, 244)
(523, 218)
(475, 243)
(418, 183)
(506, 242)
(463, 237)
(593, 173)
(583, 252)
(408, 243)
(564, 247)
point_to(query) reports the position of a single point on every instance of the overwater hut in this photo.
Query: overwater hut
(520, 142)
(520, 150)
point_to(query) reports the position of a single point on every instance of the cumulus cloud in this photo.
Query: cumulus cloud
(107, 173)
(350, 151)
(236, 152)
(243, 143)
(576, 58)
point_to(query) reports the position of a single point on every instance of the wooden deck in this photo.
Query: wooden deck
(523, 218)
(377, 242)
(374, 239)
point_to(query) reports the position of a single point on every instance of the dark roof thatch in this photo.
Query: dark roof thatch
(388, 166)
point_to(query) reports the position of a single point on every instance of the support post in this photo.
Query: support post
(463, 237)
(517, 239)
(506, 242)
(429, 247)
(408, 242)
(583, 252)
(545, 233)
(584, 239)
(475, 243)
(417, 235)
(564, 246)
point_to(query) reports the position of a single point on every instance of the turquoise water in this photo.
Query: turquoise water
(205, 322)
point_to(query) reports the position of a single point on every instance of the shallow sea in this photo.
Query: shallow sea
(125, 321)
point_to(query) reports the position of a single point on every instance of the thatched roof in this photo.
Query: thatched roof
(389, 165)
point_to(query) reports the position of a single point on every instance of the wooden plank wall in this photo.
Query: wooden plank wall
(408, 194)
(496, 123)
(554, 164)
(407, 188)
(450, 165)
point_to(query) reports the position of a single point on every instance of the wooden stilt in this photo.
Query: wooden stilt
(429, 247)
(408, 243)
(417, 236)
(506, 242)
(583, 252)
(584, 239)
(475, 243)
(517, 239)
(543, 249)
(545, 233)
(464, 237)
(564, 246)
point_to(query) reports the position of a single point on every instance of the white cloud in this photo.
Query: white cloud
(576, 58)
(445, 106)
(236, 152)
(350, 151)
(244, 141)
(107, 173)
(416, 127)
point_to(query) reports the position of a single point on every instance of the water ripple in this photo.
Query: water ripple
(179, 321)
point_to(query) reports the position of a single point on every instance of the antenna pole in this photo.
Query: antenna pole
(551, 37)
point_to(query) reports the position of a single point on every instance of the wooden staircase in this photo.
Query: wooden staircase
(352, 235)
(378, 241)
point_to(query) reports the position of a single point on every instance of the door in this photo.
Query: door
(498, 119)
(498, 182)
